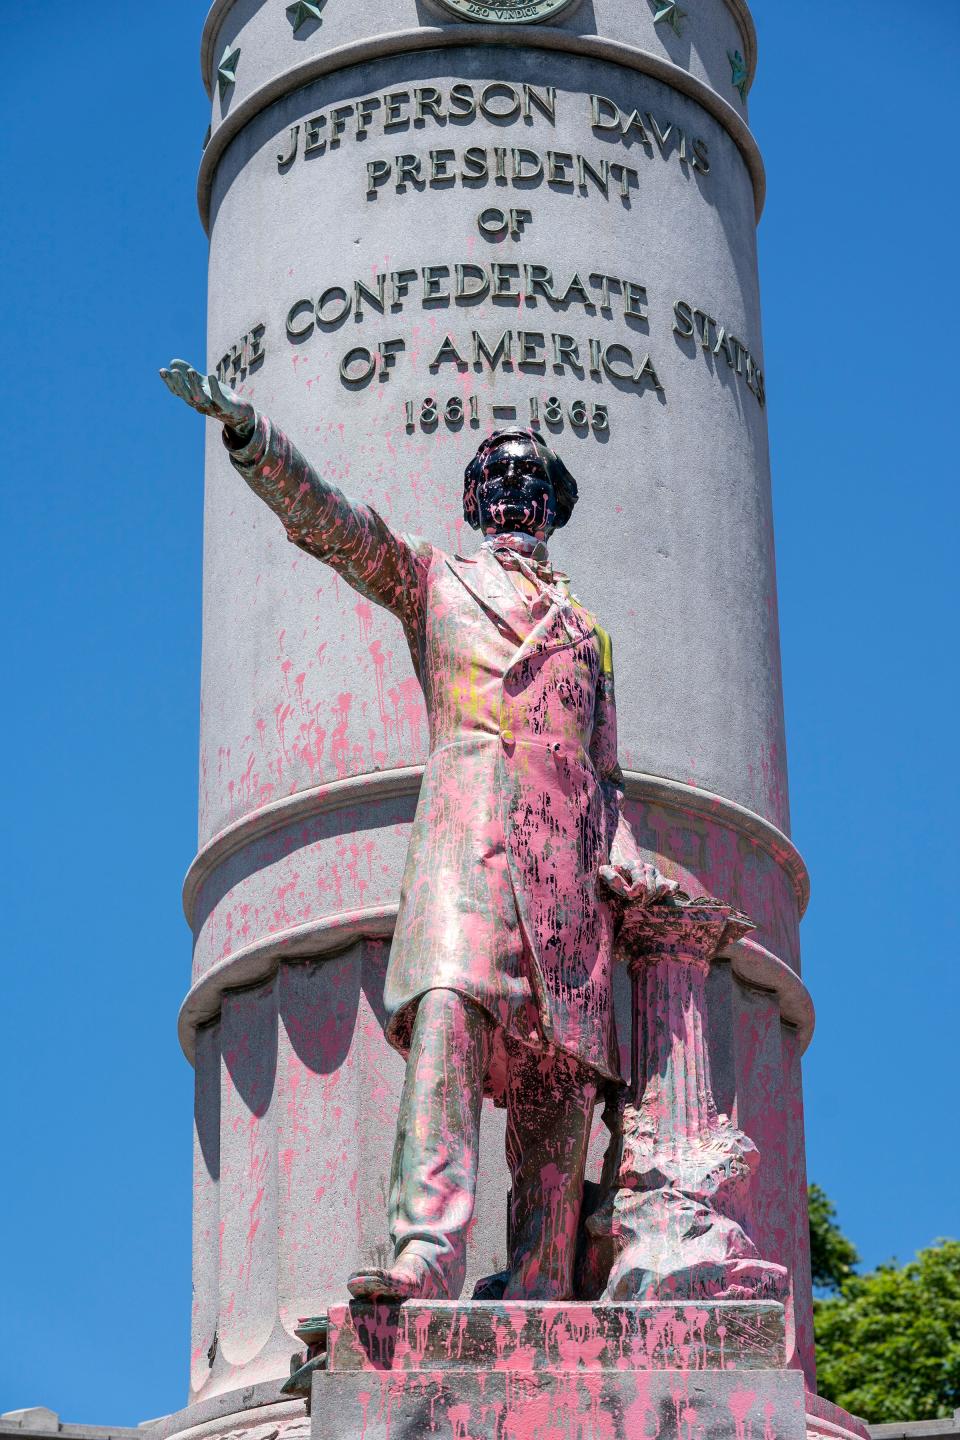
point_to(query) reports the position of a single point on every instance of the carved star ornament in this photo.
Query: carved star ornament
(740, 75)
(668, 12)
(303, 11)
(227, 70)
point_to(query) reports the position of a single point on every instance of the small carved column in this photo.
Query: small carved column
(667, 1217)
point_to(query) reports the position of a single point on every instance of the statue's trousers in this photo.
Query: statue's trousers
(549, 1099)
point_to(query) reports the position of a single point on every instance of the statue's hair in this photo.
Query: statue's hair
(564, 485)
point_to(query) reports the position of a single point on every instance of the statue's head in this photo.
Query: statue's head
(516, 483)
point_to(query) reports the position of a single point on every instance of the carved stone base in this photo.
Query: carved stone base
(666, 1237)
(686, 1249)
(524, 1371)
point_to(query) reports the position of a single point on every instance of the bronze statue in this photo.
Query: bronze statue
(499, 979)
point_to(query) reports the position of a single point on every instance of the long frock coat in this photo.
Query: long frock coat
(521, 797)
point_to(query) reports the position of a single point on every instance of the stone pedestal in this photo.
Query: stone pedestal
(557, 1372)
(670, 1227)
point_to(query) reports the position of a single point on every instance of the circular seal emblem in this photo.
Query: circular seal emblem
(507, 12)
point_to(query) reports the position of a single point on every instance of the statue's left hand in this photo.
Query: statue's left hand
(637, 883)
(206, 394)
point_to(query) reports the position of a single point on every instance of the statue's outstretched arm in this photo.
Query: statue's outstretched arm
(317, 516)
(627, 874)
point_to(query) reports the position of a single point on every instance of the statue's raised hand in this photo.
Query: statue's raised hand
(206, 394)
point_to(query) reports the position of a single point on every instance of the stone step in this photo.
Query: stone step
(524, 1336)
(507, 1405)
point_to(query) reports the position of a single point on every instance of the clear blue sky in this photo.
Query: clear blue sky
(103, 277)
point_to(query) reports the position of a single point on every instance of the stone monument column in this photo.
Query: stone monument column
(429, 219)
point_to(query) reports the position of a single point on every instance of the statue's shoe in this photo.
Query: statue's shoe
(492, 1287)
(409, 1279)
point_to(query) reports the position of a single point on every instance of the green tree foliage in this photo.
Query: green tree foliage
(832, 1255)
(888, 1343)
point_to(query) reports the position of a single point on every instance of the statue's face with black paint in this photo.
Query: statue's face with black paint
(515, 492)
